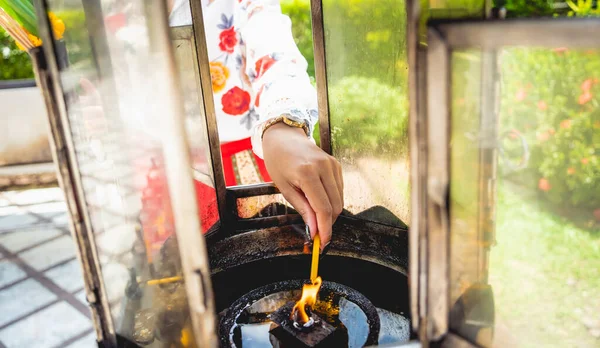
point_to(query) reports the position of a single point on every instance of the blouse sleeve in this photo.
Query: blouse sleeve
(275, 66)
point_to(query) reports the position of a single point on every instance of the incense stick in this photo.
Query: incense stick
(164, 280)
(314, 268)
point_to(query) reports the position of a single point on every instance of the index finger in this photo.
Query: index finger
(319, 201)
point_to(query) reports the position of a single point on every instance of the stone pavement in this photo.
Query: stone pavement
(42, 300)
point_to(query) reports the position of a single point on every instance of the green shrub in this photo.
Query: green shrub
(551, 98)
(368, 116)
(14, 63)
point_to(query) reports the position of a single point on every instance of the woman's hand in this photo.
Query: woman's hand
(308, 178)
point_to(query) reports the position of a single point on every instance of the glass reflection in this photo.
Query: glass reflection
(533, 280)
(367, 74)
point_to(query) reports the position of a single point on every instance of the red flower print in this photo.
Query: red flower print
(262, 65)
(586, 85)
(257, 101)
(521, 94)
(565, 124)
(585, 160)
(228, 38)
(584, 98)
(514, 134)
(236, 101)
(542, 105)
(543, 137)
(544, 185)
(551, 131)
(571, 171)
(115, 22)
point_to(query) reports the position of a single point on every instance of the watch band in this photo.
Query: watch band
(287, 121)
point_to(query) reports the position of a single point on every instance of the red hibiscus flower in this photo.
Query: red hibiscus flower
(521, 94)
(544, 185)
(560, 50)
(543, 137)
(565, 124)
(586, 85)
(228, 39)
(542, 105)
(236, 101)
(585, 97)
(263, 64)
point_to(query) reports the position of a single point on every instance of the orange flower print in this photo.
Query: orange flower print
(565, 124)
(219, 75)
(544, 185)
(571, 171)
(542, 105)
(584, 98)
(551, 131)
(585, 160)
(521, 94)
(586, 85)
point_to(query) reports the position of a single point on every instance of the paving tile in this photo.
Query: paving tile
(116, 277)
(117, 240)
(4, 202)
(21, 299)
(10, 210)
(50, 253)
(87, 341)
(61, 219)
(80, 295)
(17, 220)
(35, 196)
(10, 272)
(68, 276)
(47, 328)
(18, 240)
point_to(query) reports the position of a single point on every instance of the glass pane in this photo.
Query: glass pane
(525, 192)
(367, 74)
(116, 99)
(263, 206)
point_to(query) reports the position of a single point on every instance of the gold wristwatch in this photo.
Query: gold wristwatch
(288, 121)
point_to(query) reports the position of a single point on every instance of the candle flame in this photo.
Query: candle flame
(308, 299)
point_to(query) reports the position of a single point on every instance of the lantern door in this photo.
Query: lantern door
(508, 177)
(118, 121)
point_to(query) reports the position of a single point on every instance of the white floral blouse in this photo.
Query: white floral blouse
(257, 71)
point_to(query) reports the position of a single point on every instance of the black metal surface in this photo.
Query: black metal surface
(381, 244)
(228, 321)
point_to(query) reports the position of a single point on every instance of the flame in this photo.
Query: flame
(309, 298)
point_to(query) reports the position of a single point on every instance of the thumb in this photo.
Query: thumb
(300, 203)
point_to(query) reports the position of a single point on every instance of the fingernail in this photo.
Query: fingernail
(307, 231)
